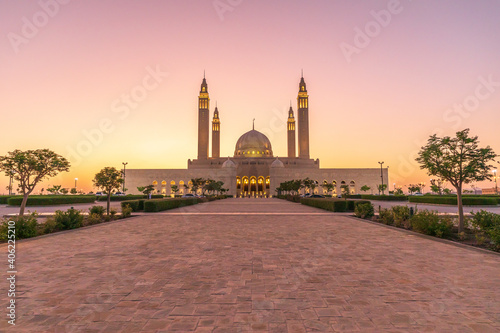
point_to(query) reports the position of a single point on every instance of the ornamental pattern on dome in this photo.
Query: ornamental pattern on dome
(253, 144)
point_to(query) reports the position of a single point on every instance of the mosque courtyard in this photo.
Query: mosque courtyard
(240, 265)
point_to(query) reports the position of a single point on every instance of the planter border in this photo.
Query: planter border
(436, 239)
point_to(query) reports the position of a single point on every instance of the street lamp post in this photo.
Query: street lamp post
(381, 177)
(124, 168)
(76, 180)
(495, 177)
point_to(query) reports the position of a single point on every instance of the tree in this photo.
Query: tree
(413, 188)
(54, 189)
(73, 191)
(196, 184)
(437, 186)
(327, 186)
(457, 160)
(174, 189)
(398, 191)
(30, 167)
(108, 179)
(41, 191)
(64, 191)
(382, 188)
(146, 189)
(447, 191)
(365, 188)
(344, 190)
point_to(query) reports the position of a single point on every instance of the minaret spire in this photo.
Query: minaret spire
(303, 119)
(291, 133)
(203, 120)
(253, 125)
(216, 133)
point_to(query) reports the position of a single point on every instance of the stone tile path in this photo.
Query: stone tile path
(240, 271)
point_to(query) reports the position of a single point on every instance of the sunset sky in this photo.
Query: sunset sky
(382, 77)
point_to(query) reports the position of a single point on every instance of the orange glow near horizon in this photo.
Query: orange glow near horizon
(103, 84)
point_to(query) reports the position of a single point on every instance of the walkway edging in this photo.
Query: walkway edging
(436, 239)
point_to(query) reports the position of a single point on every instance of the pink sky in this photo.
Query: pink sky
(67, 76)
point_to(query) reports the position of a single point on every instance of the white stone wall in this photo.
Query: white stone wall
(370, 177)
(360, 177)
(142, 177)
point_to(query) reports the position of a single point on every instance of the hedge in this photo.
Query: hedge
(4, 198)
(333, 205)
(48, 200)
(128, 197)
(384, 197)
(136, 205)
(158, 205)
(452, 200)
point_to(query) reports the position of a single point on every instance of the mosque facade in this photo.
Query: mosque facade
(254, 171)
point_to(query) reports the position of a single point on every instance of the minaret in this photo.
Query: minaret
(203, 121)
(303, 114)
(216, 134)
(291, 133)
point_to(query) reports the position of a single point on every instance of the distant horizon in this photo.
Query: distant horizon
(121, 81)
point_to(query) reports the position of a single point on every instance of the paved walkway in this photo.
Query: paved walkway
(243, 271)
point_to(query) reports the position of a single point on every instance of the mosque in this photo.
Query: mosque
(254, 171)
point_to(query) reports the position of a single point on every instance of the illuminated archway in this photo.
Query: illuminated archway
(268, 185)
(253, 185)
(342, 187)
(261, 184)
(245, 182)
(352, 187)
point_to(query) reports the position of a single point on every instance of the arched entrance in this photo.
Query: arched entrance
(253, 186)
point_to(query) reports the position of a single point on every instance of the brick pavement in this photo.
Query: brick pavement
(239, 272)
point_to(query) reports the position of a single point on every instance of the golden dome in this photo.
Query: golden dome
(253, 144)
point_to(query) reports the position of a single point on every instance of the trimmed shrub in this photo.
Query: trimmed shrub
(49, 226)
(354, 196)
(293, 198)
(364, 210)
(430, 223)
(494, 234)
(452, 200)
(384, 197)
(25, 227)
(332, 205)
(159, 205)
(126, 211)
(386, 216)
(92, 219)
(49, 200)
(484, 220)
(98, 210)
(70, 219)
(401, 215)
(135, 205)
(4, 198)
(489, 224)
